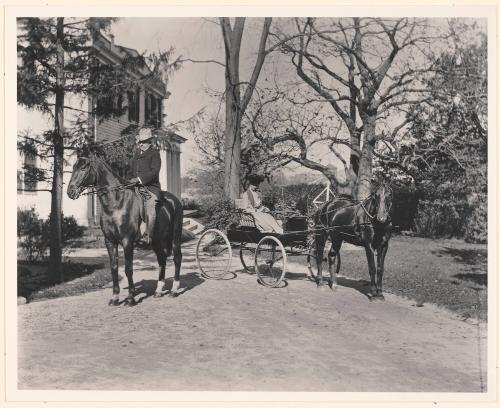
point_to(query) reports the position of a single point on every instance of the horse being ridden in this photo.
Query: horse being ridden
(121, 216)
(364, 223)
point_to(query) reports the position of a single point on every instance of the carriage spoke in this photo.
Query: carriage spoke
(247, 257)
(270, 261)
(213, 254)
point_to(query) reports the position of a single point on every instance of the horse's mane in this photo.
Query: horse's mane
(101, 160)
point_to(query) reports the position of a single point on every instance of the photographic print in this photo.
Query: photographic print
(255, 204)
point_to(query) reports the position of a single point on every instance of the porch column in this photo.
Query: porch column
(164, 169)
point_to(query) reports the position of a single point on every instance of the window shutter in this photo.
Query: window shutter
(152, 118)
(137, 104)
(160, 112)
(131, 106)
(147, 109)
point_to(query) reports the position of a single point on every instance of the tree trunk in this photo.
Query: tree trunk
(55, 261)
(366, 161)
(232, 132)
(353, 173)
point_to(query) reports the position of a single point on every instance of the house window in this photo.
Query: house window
(150, 108)
(133, 105)
(26, 177)
(105, 105)
(104, 79)
(19, 180)
(153, 111)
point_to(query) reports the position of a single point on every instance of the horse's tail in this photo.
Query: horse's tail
(175, 227)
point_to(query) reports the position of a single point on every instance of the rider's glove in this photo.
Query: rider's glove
(135, 180)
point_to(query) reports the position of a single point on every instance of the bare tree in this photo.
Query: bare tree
(254, 156)
(366, 70)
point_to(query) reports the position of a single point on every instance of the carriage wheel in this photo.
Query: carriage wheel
(329, 266)
(247, 257)
(270, 261)
(213, 254)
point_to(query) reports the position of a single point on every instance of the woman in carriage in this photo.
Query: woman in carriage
(252, 203)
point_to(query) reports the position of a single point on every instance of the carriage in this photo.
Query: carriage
(260, 252)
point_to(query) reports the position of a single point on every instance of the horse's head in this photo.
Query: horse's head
(83, 174)
(383, 202)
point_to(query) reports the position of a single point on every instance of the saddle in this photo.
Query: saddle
(144, 194)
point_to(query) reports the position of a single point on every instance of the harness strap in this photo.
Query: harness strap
(366, 211)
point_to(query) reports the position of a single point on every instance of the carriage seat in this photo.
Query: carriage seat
(246, 221)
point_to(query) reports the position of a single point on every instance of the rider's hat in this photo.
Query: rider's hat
(145, 134)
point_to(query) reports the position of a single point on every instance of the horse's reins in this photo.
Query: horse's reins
(143, 192)
(360, 203)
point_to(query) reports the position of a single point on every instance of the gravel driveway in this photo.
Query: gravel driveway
(236, 335)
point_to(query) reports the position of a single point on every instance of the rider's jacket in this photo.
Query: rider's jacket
(146, 166)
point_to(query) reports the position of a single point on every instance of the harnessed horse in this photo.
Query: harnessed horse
(121, 216)
(364, 223)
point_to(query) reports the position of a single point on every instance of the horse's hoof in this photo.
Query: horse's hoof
(173, 294)
(333, 286)
(157, 295)
(113, 302)
(130, 302)
(322, 282)
(377, 298)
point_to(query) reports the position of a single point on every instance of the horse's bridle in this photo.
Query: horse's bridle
(82, 185)
(105, 189)
(362, 203)
(388, 210)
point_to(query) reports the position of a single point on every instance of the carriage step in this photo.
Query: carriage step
(193, 226)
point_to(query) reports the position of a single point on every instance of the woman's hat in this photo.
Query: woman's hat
(255, 179)
(145, 134)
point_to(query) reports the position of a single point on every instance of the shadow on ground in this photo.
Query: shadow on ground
(147, 287)
(465, 256)
(475, 259)
(362, 285)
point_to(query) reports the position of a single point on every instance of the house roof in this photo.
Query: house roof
(117, 53)
(169, 135)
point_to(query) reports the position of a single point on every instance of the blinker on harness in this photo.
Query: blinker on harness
(361, 203)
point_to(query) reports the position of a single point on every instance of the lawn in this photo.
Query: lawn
(448, 273)
(34, 283)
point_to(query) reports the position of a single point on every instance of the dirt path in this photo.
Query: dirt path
(237, 335)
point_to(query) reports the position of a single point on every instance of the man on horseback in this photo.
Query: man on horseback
(145, 168)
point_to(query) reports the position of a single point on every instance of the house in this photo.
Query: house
(143, 105)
